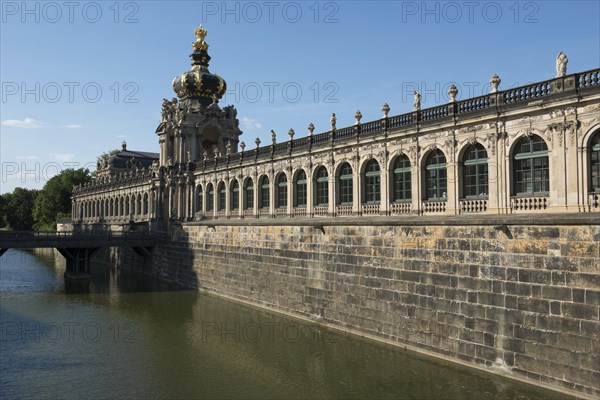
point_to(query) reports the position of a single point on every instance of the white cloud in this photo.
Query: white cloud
(120, 136)
(72, 126)
(64, 157)
(30, 157)
(250, 124)
(27, 123)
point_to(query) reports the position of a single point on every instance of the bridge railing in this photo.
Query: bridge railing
(72, 235)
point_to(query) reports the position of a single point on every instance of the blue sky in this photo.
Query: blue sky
(78, 78)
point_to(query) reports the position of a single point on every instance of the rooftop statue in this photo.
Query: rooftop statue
(561, 64)
(417, 101)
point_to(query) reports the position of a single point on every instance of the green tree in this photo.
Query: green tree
(54, 200)
(3, 203)
(19, 209)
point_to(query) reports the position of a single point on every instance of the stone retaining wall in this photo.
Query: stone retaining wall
(521, 300)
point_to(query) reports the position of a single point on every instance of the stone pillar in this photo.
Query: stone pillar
(565, 168)
(506, 180)
(201, 189)
(192, 199)
(310, 197)
(416, 187)
(332, 193)
(170, 201)
(181, 201)
(158, 195)
(227, 199)
(272, 194)
(163, 150)
(384, 203)
(451, 187)
(290, 195)
(255, 195)
(452, 191)
(241, 198)
(356, 190)
(493, 175)
(583, 172)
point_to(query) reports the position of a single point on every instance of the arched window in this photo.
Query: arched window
(235, 196)
(249, 194)
(210, 197)
(127, 203)
(531, 167)
(138, 205)
(475, 172)
(301, 189)
(222, 197)
(281, 191)
(111, 207)
(122, 207)
(264, 192)
(199, 198)
(322, 186)
(372, 179)
(435, 176)
(145, 204)
(595, 163)
(401, 184)
(345, 184)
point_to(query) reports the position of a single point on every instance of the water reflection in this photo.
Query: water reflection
(132, 337)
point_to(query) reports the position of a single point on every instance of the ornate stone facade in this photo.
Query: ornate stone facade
(530, 149)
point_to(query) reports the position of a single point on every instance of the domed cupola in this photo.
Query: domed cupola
(198, 83)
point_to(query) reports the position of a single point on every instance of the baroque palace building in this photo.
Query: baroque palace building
(530, 149)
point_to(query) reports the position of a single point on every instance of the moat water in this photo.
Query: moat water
(120, 336)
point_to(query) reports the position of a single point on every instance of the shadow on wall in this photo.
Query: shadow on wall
(168, 268)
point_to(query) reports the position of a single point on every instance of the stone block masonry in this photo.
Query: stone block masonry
(521, 300)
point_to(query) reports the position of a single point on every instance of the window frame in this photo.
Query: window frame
(406, 184)
(322, 187)
(249, 194)
(433, 174)
(471, 168)
(524, 165)
(594, 163)
(345, 185)
(281, 191)
(265, 188)
(234, 193)
(301, 192)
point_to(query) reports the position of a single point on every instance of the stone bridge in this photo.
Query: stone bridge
(77, 247)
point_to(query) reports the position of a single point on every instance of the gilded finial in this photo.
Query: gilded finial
(200, 44)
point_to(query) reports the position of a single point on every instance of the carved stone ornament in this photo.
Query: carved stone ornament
(385, 110)
(495, 83)
(452, 92)
(357, 117)
(491, 142)
(449, 146)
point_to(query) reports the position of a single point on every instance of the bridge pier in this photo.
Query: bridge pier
(78, 261)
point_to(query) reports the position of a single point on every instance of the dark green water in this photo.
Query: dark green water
(127, 337)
